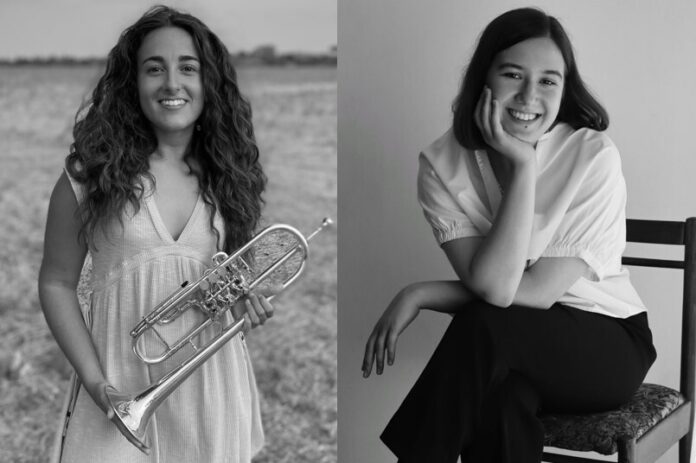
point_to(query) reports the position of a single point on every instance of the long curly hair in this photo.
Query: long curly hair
(114, 139)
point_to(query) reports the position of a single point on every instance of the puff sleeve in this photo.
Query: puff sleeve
(594, 225)
(442, 211)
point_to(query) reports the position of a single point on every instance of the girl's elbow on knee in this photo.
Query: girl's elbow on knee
(498, 297)
(495, 289)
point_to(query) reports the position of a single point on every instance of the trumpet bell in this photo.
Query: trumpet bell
(131, 417)
(132, 413)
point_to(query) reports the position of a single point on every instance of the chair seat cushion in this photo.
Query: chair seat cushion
(599, 431)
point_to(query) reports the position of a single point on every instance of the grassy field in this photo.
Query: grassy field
(294, 355)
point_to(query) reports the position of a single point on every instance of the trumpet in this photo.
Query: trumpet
(227, 281)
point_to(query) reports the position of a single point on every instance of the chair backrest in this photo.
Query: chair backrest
(674, 233)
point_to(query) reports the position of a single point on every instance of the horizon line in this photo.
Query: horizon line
(327, 52)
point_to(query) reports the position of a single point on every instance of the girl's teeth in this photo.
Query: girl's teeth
(173, 102)
(523, 116)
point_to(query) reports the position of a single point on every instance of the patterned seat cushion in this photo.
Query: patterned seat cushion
(599, 432)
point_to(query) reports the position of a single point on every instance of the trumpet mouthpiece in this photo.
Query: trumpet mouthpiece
(324, 223)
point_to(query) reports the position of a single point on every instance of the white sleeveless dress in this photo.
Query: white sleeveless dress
(214, 416)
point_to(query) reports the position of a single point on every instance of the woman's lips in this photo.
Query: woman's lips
(523, 116)
(172, 103)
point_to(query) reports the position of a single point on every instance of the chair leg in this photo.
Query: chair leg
(627, 451)
(685, 448)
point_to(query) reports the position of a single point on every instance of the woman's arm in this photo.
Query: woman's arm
(540, 286)
(59, 276)
(494, 268)
(440, 296)
(545, 282)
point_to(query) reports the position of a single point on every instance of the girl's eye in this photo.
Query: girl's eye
(189, 68)
(154, 70)
(548, 82)
(512, 75)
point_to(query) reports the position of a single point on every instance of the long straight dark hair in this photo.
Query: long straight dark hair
(578, 107)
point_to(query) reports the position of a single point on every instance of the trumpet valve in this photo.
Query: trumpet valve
(221, 292)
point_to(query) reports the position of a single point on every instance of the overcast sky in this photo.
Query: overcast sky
(80, 28)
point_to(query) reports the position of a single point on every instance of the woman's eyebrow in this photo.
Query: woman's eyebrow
(517, 66)
(160, 59)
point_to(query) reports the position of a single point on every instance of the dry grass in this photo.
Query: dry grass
(294, 355)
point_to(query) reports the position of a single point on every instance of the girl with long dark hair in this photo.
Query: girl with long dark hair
(526, 197)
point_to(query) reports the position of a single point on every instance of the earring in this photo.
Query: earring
(198, 127)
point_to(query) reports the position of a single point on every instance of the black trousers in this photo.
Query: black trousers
(496, 369)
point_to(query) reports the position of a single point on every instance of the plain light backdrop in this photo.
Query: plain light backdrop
(400, 64)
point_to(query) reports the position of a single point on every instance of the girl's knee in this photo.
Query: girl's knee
(479, 318)
(478, 310)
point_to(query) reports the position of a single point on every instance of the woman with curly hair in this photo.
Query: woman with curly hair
(163, 173)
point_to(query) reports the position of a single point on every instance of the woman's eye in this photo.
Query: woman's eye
(189, 68)
(548, 82)
(513, 75)
(154, 70)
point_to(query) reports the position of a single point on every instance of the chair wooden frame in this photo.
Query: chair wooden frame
(677, 426)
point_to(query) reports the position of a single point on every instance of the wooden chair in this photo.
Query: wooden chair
(657, 417)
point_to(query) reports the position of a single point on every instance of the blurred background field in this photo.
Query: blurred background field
(294, 355)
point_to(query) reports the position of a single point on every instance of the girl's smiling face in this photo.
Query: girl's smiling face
(527, 79)
(169, 81)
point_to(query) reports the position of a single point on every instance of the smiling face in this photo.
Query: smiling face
(169, 81)
(527, 80)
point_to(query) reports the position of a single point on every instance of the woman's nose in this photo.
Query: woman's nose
(526, 93)
(172, 82)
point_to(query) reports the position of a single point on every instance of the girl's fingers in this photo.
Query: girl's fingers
(379, 354)
(486, 115)
(105, 401)
(496, 128)
(267, 307)
(369, 355)
(477, 112)
(260, 310)
(257, 309)
(381, 343)
(251, 312)
(391, 346)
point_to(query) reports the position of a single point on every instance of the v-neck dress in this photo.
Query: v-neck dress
(214, 415)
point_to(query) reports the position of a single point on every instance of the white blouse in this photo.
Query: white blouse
(579, 208)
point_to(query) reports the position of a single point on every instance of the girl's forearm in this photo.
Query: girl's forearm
(64, 318)
(497, 267)
(439, 296)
